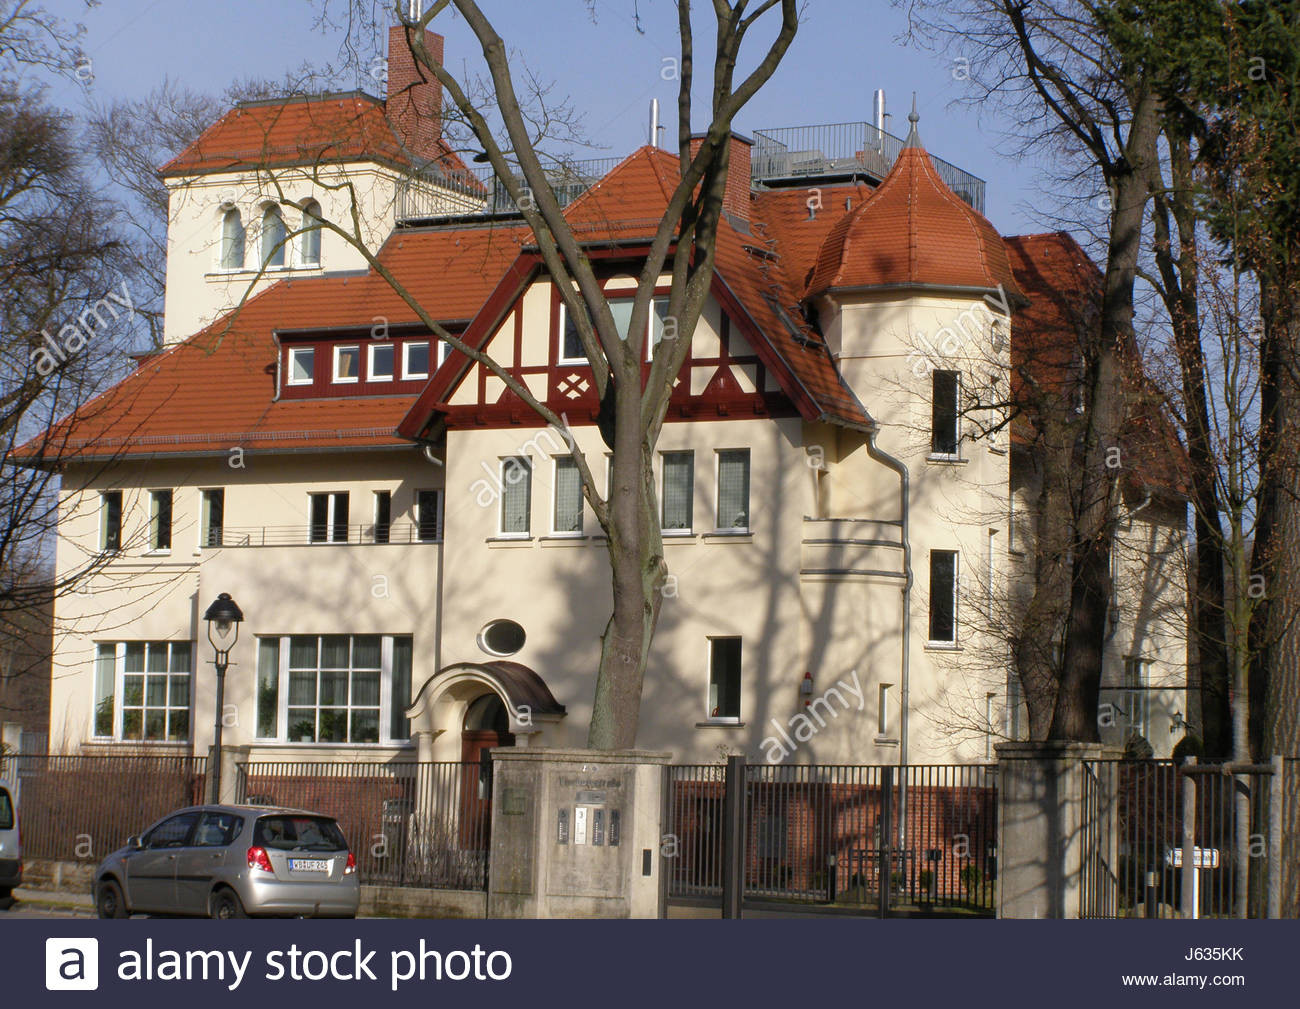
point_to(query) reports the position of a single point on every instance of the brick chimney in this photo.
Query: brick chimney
(414, 99)
(735, 200)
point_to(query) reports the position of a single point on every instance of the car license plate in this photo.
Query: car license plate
(309, 865)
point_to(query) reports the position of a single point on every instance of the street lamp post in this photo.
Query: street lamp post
(223, 617)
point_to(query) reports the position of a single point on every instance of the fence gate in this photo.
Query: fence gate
(1143, 821)
(868, 839)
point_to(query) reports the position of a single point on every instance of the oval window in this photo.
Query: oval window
(501, 637)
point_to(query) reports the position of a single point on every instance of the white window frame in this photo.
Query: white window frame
(736, 719)
(282, 697)
(555, 501)
(205, 517)
(339, 350)
(407, 374)
(103, 520)
(882, 713)
(1137, 698)
(955, 640)
(438, 517)
(370, 362)
(267, 250)
(242, 257)
(444, 351)
(306, 233)
(331, 510)
(501, 505)
(119, 691)
(559, 349)
(294, 352)
(155, 496)
(717, 494)
(663, 490)
(955, 455)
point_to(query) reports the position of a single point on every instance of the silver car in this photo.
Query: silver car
(11, 844)
(232, 862)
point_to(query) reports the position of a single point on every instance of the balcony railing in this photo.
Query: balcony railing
(797, 152)
(482, 194)
(328, 535)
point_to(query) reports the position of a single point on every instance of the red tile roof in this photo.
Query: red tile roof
(912, 232)
(307, 131)
(1063, 288)
(216, 390)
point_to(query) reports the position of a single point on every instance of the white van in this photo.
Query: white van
(11, 848)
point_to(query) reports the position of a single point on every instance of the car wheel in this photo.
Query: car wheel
(226, 904)
(109, 902)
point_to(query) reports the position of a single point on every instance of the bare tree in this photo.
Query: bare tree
(1049, 65)
(683, 244)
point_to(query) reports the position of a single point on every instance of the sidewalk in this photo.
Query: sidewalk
(54, 900)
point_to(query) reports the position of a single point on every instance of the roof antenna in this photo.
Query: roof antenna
(913, 137)
(654, 122)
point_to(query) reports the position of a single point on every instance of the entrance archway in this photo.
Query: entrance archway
(486, 726)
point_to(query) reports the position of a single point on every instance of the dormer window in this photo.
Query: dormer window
(302, 365)
(415, 360)
(311, 218)
(382, 359)
(232, 240)
(347, 364)
(273, 238)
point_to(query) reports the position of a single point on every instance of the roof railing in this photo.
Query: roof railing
(781, 157)
(792, 153)
(437, 193)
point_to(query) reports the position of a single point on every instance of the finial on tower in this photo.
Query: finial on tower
(913, 137)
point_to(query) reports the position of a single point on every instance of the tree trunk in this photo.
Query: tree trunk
(1275, 673)
(1075, 717)
(638, 571)
(1181, 296)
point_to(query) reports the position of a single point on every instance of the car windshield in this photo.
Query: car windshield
(6, 811)
(299, 833)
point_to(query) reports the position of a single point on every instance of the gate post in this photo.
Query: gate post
(1276, 797)
(886, 834)
(1190, 898)
(733, 838)
(1043, 826)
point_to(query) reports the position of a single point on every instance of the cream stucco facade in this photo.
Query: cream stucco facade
(822, 593)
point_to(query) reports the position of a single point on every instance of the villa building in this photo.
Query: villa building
(417, 569)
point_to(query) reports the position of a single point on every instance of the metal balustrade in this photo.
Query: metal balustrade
(368, 533)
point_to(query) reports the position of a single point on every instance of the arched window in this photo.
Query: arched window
(232, 240)
(311, 218)
(273, 235)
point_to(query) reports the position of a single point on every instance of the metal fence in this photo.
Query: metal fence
(1144, 820)
(82, 808)
(409, 824)
(878, 839)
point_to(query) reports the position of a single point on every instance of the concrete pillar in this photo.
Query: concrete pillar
(231, 758)
(424, 746)
(1041, 819)
(576, 833)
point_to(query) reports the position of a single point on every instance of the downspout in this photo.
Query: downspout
(905, 684)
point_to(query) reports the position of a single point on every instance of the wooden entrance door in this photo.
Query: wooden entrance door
(486, 727)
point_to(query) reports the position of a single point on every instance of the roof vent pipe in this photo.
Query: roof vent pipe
(654, 122)
(878, 102)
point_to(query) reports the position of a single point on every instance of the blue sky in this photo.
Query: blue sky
(844, 50)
